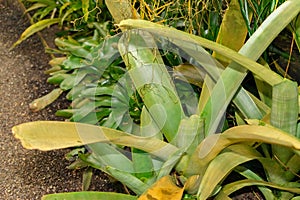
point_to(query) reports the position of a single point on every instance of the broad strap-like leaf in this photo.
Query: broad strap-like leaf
(233, 30)
(152, 80)
(284, 114)
(249, 174)
(214, 144)
(174, 34)
(232, 187)
(88, 195)
(221, 166)
(50, 135)
(233, 75)
(132, 182)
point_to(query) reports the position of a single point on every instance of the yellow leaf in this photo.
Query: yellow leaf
(34, 28)
(164, 188)
(42, 102)
(192, 184)
(189, 73)
(233, 30)
(121, 10)
(51, 135)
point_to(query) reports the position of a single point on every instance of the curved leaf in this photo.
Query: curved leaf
(234, 73)
(232, 187)
(43, 135)
(152, 80)
(34, 28)
(164, 188)
(221, 166)
(42, 102)
(284, 114)
(89, 196)
(214, 144)
(174, 34)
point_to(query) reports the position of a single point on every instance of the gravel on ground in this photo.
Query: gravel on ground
(29, 174)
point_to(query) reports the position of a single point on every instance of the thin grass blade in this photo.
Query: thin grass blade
(85, 9)
(34, 28)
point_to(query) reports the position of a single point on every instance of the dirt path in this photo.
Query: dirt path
(27, 175)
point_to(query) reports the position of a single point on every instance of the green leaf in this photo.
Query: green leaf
(148, 126)
(152, 80)
(189, 73)
(284, 114)
(233, 75)
(296, 31)
(95, 91)
(89, 196)
(74, 48)
(168, 166)
(104, 155)
(253, 176)
(47, 2)
(142, 164)
(135, 184)
(67, 113)
(63, 7)
(267, 75)
(87, 178)
(253, 48)
(190, 134)
(120, 9)
(89, 108)
(67, 13)
(57, 78)
(73, 62)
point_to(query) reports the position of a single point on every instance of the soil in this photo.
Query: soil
(24, 174)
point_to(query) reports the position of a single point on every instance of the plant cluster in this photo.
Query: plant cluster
(153, 127)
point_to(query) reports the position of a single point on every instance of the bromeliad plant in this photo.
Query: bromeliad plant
(76, 17)
(89, 75)
(172, 145)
